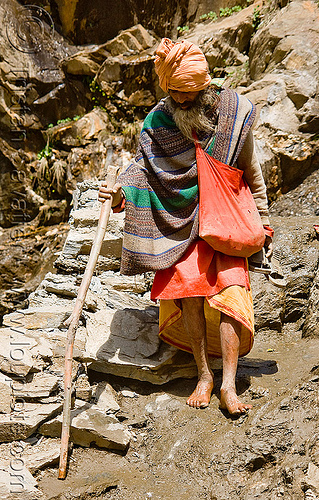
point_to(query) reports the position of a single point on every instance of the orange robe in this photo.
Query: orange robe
(221, 279)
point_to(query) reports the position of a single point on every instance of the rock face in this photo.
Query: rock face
(87, 24)
(224, 43)
(277, 68)
(275, 307)
(24, 80)
(280, 76)
(283, 55)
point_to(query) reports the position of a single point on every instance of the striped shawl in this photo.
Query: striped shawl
(160, 186)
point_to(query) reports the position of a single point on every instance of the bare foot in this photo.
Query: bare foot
(200, 398)
(229, 401)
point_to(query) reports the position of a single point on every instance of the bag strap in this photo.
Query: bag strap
(198, 148)
(195, 137)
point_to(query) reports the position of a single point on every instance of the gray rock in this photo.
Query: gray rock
(224, 42)
(115, 281)
(35, 386)
(309, 116)
(161, 404)
(80, 242)
(283, 41)
(14, 484)
(311, 325)
(297, 91)
(268, 303)
(39, 318)
(90, 425)
(6, 396)
(15, 355)
(25, 419)
(274, 115)
(83, 390)
(126, 343)
(299, 250)
(83, 220)
(105, 398)
(57, 340)
(44, 453)
(312, 478)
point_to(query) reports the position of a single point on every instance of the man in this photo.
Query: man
(205, 296)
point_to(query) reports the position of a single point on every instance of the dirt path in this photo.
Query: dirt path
(179, 452)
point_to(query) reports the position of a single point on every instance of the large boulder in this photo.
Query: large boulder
(225, 42)
(287, 156)
(290, 42)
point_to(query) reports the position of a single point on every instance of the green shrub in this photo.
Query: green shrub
(182, 29)
(211, 15)
(228, 11)
(256, 17)
(46, 152)
(63, 120)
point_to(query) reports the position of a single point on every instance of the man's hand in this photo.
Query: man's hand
(268, 247)
(106, 193)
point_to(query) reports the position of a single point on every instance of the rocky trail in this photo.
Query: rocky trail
(83, 91)
(179, 452)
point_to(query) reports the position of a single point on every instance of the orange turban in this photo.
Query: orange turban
(181, 66)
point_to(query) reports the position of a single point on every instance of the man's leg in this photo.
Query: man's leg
(195, 327)
(230, 339)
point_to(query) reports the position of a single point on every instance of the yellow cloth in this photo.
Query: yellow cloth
(181, 66)
(235, 301)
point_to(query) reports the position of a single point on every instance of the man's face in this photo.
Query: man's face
(183, 99)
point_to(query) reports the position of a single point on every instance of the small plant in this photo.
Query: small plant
(256, 17)
(236, 8)
(228, 11)
(98, 95)
(63, 120)
(182, 29)
(46, 152)
(210, 15)
(95, 87)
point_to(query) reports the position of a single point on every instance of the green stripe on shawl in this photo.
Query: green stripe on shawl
(211, 146)
(158, 119)
(143, 198)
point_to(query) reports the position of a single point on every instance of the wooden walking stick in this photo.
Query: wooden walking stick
(73, 321)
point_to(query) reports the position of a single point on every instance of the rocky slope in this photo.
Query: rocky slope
(129, 388)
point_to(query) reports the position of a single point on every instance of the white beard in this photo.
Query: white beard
(201, 116)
